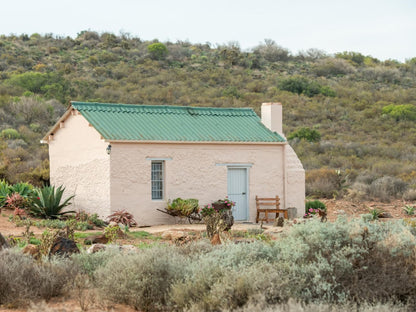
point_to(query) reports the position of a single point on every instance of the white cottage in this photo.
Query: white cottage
(137, 157)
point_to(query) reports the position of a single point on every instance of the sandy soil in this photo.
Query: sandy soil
(334, 208)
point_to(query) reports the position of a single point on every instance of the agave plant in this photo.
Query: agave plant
(48, 202)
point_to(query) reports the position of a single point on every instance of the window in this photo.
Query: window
(157, 179)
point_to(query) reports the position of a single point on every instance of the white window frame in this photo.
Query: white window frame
(161, 189)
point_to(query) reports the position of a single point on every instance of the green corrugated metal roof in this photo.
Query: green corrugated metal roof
(175, 123)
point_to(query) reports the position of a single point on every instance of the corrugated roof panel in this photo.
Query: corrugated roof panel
(175, 123)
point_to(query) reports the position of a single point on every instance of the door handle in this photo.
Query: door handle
(244, 193)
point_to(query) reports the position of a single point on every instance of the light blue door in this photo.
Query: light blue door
(237, 192)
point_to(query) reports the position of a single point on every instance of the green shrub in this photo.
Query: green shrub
(307, 134)
(90, 263)
(302, 85)
(157, 51)
(312, 207)
(95, 219)
(400, 112)
(48, 203)
(10, 134)
(141, 280)
(315, 204)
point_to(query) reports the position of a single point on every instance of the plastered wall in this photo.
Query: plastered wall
(78, 160)
(193, 171)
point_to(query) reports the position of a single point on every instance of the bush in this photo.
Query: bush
(307, 134)
(157, 51)
(348, 261)
(10, 134)
(23, 279)
(315, 204)
(387, 187)
(325, 183)
(400, 112)
(142, 280)
(48, 203)
(333, 67)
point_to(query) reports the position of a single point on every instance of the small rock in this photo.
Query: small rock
(63, 247)
(216, 239)
(96, 248)
(340, 211)
(3, 243)
(32, 250)
(385, 215)
(174, 235)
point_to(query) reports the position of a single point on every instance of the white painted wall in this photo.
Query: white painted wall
(78, 160)
(192, 172)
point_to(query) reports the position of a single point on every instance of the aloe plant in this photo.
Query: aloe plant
(48, 203)
(4, 192)
(24, 189)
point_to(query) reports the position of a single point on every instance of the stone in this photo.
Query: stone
(3, 243)
(174, 235)
(215, 240)
(96, 239)
(96, 248)
(32, 250)
(63, 247)
(385, 215)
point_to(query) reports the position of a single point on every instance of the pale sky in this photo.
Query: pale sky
(385, 29)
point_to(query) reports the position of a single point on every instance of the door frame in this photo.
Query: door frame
(246, 167)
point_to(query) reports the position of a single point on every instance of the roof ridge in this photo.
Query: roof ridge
(247, 109)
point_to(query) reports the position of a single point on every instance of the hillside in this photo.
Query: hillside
(351, 118)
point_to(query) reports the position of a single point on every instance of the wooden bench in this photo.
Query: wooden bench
(269, 206)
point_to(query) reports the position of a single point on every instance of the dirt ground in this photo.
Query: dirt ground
(335, 208)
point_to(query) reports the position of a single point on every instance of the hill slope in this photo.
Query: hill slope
(357, 113)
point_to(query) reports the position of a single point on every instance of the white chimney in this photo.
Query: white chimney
(271, 116)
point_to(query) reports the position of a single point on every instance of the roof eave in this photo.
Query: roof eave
(195, 142)
(45, 139)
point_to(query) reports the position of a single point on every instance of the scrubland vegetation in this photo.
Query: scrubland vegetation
(338, 266)
(350, 117)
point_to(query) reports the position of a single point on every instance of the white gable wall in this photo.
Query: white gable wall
(78, 161)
